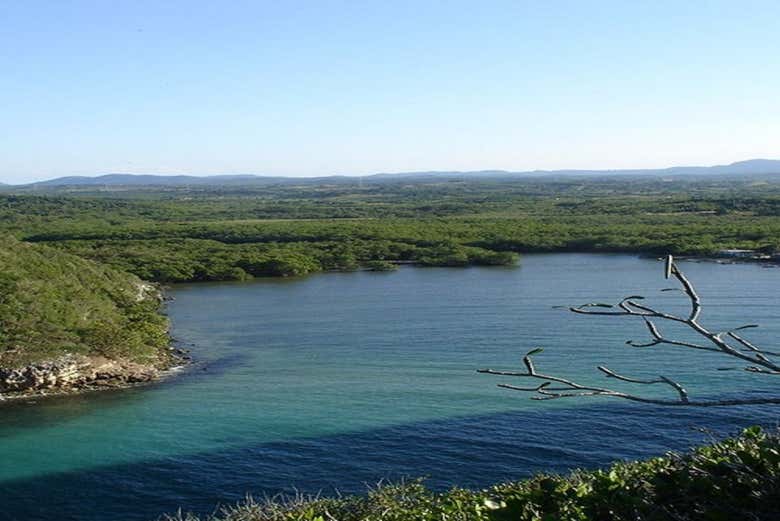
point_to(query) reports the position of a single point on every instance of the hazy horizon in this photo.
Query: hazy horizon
(368, 174)
(316, 89)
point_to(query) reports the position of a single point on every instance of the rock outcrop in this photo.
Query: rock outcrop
(73, 373)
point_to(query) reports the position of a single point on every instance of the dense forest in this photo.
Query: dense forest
(176, 234)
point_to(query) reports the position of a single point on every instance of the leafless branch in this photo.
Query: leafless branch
(761, 360)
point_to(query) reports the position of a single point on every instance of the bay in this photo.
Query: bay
(336, 381)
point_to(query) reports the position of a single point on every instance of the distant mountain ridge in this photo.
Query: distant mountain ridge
(145, 179)
(748, 167)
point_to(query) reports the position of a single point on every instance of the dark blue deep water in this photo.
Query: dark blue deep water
(336, 381)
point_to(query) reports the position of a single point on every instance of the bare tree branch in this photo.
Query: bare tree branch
(750, 346)
(659, 339)
(760, 359)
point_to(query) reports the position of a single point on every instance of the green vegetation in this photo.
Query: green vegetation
(66, 286)
(52, 303)
(234, 233)
(380, 265)
(737, 478)
(178, 234)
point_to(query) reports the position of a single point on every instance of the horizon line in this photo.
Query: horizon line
(405, 172)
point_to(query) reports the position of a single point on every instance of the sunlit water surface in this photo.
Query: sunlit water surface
(336, 381)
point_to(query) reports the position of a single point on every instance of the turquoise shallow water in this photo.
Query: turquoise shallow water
(338, 380)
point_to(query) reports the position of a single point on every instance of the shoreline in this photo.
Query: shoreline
(79, 374)
(70, 374)
(764, 263)
(74, 375)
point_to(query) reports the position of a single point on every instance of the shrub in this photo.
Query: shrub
(738, 478)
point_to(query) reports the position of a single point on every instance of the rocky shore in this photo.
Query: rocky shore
(70, 374)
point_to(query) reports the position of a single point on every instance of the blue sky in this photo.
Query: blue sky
(314, 88)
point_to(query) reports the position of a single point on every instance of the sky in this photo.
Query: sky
(317, 88)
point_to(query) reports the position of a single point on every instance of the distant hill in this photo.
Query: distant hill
(148, 179)
(749, 167)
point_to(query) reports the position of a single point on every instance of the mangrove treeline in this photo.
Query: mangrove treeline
(212, 233)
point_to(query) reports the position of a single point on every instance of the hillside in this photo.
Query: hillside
(63, 314)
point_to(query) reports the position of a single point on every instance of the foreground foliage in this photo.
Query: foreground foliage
(737, 478)
(53, 303)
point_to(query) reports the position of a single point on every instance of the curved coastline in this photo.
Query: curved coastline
(79, 374)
